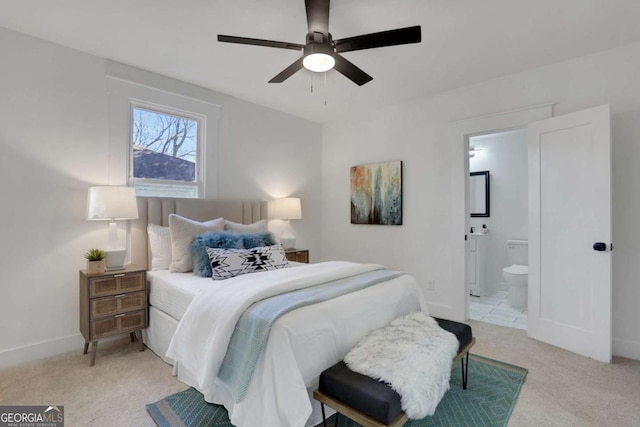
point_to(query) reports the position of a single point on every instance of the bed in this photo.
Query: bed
(301, 344)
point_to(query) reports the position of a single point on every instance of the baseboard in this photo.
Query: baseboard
(438, 305)
(445, 311)
(499, 287)
(41, 350)
(628, 349)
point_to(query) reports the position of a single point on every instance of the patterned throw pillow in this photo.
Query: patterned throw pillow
(212, 239)
(227, 263)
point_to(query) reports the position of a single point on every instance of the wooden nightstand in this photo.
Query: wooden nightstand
(112, 303)
(297, 255)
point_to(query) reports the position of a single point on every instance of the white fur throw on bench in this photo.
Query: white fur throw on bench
(412, 354)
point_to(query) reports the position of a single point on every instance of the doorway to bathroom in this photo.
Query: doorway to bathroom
(496, 253)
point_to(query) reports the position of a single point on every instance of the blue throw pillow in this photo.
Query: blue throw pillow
(212, 239)
(256, 240)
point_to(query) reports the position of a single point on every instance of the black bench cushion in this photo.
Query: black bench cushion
(462, 331)
(371, 397)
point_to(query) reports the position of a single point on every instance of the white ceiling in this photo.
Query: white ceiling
(463, 42)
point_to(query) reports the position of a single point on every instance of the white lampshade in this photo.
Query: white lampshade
(112, 203)
(285, 208)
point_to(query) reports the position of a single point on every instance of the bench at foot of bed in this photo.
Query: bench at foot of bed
(373, 403)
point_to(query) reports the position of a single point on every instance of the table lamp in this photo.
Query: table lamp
(111, 203)
(286, 209)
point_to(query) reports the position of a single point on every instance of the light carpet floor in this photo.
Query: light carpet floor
(561, 389)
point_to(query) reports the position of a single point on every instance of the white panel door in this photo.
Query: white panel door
(569, 211)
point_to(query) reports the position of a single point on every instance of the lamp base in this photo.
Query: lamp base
(115, 259)
(288, 241)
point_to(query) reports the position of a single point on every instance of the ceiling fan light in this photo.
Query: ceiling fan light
(318, 62)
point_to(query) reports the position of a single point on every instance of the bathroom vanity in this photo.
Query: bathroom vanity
(477, 263)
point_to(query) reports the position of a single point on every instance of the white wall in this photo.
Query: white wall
(267, 157)
(418, 131)
(54, 135)
(504, 155)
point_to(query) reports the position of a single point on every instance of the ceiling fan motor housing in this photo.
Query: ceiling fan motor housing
(319, 53)
(319, 43)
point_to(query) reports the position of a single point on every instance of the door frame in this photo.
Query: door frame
(459, 134)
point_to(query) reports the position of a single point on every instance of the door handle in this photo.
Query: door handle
(599, 246)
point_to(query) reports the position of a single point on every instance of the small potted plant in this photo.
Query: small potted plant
(95, 261)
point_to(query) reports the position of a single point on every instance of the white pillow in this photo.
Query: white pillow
(183, 230)
(159, 246)
(227, 263)
(256, 227)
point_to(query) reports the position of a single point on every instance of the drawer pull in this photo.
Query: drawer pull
(118, 275)
(119, 315)
(119, 295)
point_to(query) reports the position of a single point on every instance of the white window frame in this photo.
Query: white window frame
(201, 121)
(125, 85)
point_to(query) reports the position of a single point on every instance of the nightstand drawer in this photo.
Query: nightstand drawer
(119, 323)
(116, 284)
(297, 255)
(120, 303)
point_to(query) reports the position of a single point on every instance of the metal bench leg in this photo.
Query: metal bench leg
(324, 419)
(464, 363)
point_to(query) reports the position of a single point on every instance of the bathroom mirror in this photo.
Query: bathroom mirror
(479, 194)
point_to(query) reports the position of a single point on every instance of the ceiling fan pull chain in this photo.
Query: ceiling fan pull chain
(325, 88)
(312, 83)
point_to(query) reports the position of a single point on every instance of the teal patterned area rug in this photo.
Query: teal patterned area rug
(491, 394)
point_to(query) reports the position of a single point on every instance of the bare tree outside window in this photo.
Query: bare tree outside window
(164, 146)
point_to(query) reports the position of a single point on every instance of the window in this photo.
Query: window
(166, 151)
(136, 96)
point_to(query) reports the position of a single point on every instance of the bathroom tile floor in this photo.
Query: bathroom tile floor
(492, 307)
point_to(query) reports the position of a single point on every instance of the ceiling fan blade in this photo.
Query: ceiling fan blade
(317, 15)
(288, 72)
(259, 42)
(351, 72)
(384, 38)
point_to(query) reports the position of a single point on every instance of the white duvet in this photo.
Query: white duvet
(301, 344)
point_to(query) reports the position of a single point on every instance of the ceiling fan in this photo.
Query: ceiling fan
(321, 53)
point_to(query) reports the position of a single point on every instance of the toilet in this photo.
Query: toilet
(517, 273)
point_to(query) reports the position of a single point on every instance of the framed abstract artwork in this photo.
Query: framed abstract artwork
(376, 193)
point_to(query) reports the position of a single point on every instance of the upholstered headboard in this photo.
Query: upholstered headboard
(154, 210)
